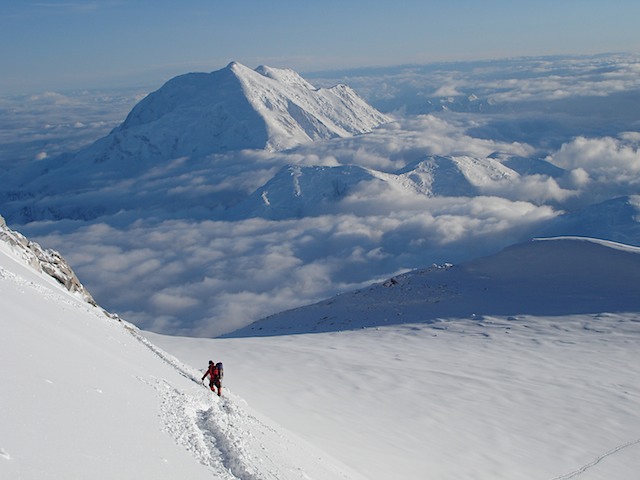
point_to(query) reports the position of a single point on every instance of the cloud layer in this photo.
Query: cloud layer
(167, 249)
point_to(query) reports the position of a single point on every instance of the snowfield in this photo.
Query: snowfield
(547, 398)
(85, 396)
(525, 396)
(474, 391)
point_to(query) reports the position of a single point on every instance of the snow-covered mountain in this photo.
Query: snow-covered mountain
(558, 276)
(169, 135)
(234, 108)
(298, 191)
(454, 176)
(530, 166)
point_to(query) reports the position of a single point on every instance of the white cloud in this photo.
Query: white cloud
(539, 189)
(177, 266)
(50, 98)
(211, 276)
(578, 177)
(169, 302)
(605, 158)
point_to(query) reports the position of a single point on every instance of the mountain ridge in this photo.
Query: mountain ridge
(238, 108)
(506, 284)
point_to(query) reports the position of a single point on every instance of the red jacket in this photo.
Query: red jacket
(212, 371)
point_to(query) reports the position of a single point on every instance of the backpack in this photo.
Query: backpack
(220, 370)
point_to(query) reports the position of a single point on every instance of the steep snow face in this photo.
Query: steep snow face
(559, 276)
(231, 109)
(295, 112)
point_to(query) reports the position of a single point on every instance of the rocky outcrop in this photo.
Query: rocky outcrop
(44, 260)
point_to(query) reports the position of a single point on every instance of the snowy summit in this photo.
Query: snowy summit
(232, 109)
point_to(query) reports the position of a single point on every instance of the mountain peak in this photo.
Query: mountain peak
(237, 68)
(285, 76)
(234, 108)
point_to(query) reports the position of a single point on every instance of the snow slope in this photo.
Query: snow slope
(486, 391)
(557, 276)
(465, 397)
(85, 396)
(524, 398)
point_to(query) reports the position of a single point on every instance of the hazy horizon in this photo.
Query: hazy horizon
(52, 46)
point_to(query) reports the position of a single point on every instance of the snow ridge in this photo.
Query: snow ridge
(549, 277)
(295, 112)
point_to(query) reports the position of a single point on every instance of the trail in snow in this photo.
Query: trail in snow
(197, 421)
(598, 459)
(223, 436)
(230, 440)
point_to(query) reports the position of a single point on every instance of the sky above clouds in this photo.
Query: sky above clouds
(55, 45)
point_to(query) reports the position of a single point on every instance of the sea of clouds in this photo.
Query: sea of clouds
(178, 265)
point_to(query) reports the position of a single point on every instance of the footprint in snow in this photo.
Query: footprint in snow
(4, 454)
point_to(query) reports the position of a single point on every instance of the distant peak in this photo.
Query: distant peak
(267, 71)
(236, 67)
(284, 76)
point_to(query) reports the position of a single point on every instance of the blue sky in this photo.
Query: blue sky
(69, 44)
